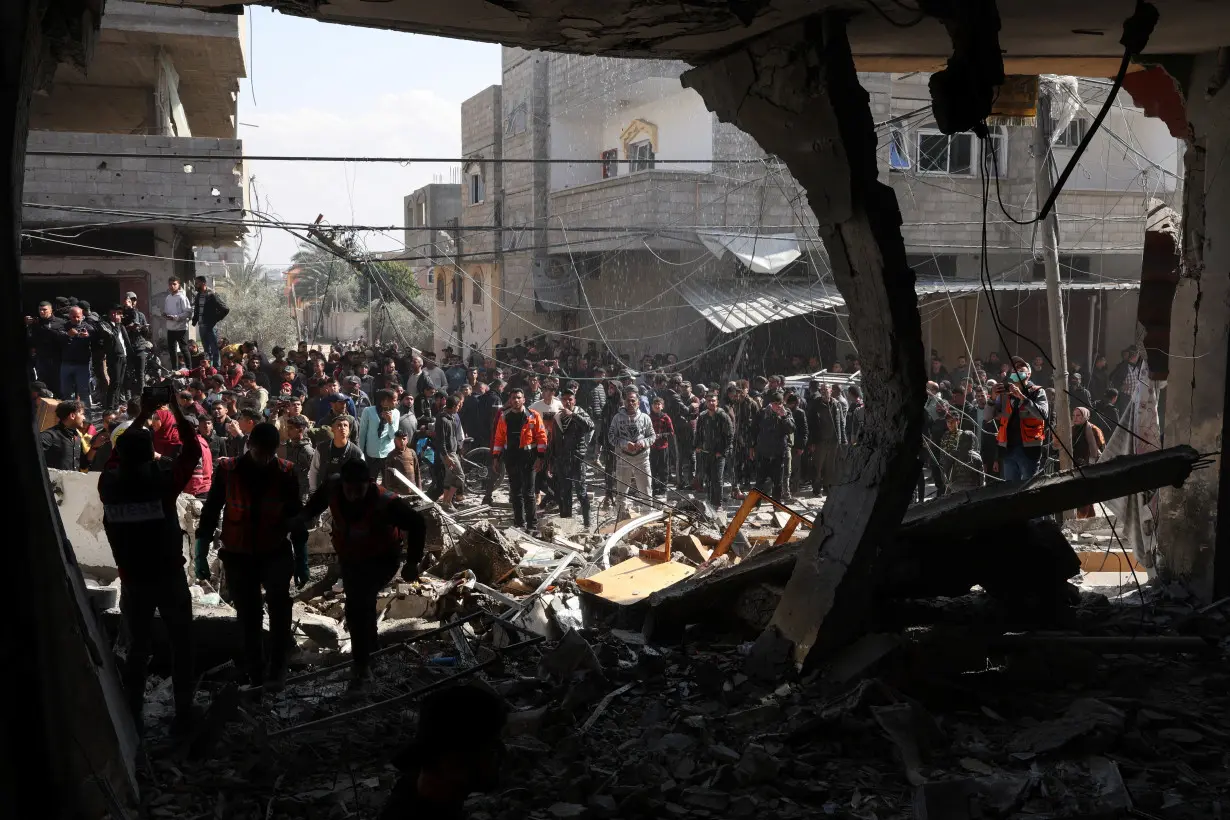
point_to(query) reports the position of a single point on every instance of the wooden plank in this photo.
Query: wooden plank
(634, 580)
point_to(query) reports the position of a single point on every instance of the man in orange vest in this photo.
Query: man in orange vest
(257, 498)
(521, 443)
(1022, 413)
(369, 525)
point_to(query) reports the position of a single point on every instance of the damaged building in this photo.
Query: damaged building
(1107, 712)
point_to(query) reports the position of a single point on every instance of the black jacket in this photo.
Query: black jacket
(208, 309)
(714, 433)
(78, 349)
(800, 427)
(44, 337)
(111, 336)
(772, 432)
(567, 447)
(62, 448)
(138, 329)
(826, 422)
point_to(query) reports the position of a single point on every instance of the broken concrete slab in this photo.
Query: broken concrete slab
(1088, 724)
(76, 495)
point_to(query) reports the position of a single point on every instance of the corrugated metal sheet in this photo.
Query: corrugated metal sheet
(737, 305)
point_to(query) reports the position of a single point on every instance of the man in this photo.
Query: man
(678, 405)
(854, 415)
(448, 453)
(659, 451)
(826, 424)
(714, 438)
(352, 389)
(261, 498)
(1077, 394)
(77, 345)
(215, 442)
(188, 404)
(369, 525)
(1106, 412)
(388, 377)
(566, 452)
(298, 450)
(1022, 410)
(455, 375)
(253, 392)
(239, 432)
(1099, 377)
(332, 454)
(797, 447)
(412, 380)
(339, 406)
(207, 310)
(43, 337)
(177, 310)
(631, 434)
(432, 374)
(290, 375)
(62, 443)
(138, 494)
(520, 443)
(961, 458)
(774, 426)
(961, 371)
(547, 405)
(377, 426)
(456, 751)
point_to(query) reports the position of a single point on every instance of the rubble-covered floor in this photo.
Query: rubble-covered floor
(629, 730)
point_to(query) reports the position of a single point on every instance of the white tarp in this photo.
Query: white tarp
(1138, 432)
(760, 253)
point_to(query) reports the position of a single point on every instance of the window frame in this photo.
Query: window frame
(931, 131)
(899, 146)
(476, 291)
(1064, 138)
(442, 288)
(477, 188)
(610, 163)
(637, 162)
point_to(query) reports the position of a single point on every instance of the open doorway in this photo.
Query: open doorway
(100, 291)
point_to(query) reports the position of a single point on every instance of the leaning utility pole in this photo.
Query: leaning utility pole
(1049, 228)
(363, 269)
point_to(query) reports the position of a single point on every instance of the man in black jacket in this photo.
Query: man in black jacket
(43, 331)
(826, 427)
(714, 437)
(61, 444)
(566, 452)
(773, 428)
(798, 446)
(77, 345)
(138, 333)
(208, 309)
(116, 347)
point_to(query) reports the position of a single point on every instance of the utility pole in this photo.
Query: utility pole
(362, 268)
(459, 289)
(1049, 228)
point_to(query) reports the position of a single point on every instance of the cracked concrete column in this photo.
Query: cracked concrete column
(1196, 388)
(795, 90)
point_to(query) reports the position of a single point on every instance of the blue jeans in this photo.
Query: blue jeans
(1019, 463)
(209, 338)
(75, 378)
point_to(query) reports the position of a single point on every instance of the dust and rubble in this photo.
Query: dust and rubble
(645, 679)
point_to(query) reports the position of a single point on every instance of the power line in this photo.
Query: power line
(47, 152)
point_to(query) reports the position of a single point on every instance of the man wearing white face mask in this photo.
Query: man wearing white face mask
(1021, 412)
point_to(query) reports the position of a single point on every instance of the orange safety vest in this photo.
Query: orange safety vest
(372, 534)
(1033, 426)
(533, 433)
(239, 532)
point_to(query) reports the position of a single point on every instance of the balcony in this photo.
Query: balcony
(661, 199)
(136, 180)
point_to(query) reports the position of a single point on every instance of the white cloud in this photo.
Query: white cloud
(414, 122)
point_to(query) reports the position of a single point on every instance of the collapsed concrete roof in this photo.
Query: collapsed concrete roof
(1037, 36)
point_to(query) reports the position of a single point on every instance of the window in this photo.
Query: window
(898, 151)
(423, 213)
(1071, 136)
(996, 157)
(640, 156)
(610, 163)
(942, 154)
(1070, 267)
(476, 293)
(441, 287)
(933, 266)
(478, 190)
(515, 120)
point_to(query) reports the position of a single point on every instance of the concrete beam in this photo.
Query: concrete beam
(796, 92)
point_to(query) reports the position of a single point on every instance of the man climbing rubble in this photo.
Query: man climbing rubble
(138, 493)
(369, 525)
(257, 498)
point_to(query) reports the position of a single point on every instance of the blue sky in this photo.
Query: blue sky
(322, 89)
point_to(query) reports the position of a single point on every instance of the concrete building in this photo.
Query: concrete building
(133, 171)
(628, 248)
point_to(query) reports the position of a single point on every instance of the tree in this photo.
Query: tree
(260, 311)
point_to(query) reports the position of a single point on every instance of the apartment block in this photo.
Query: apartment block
(655, 228)
(133, 170)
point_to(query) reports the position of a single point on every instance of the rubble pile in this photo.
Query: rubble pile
(935, 722)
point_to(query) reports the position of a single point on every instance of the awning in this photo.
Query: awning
(732, 305)
(759, 253)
